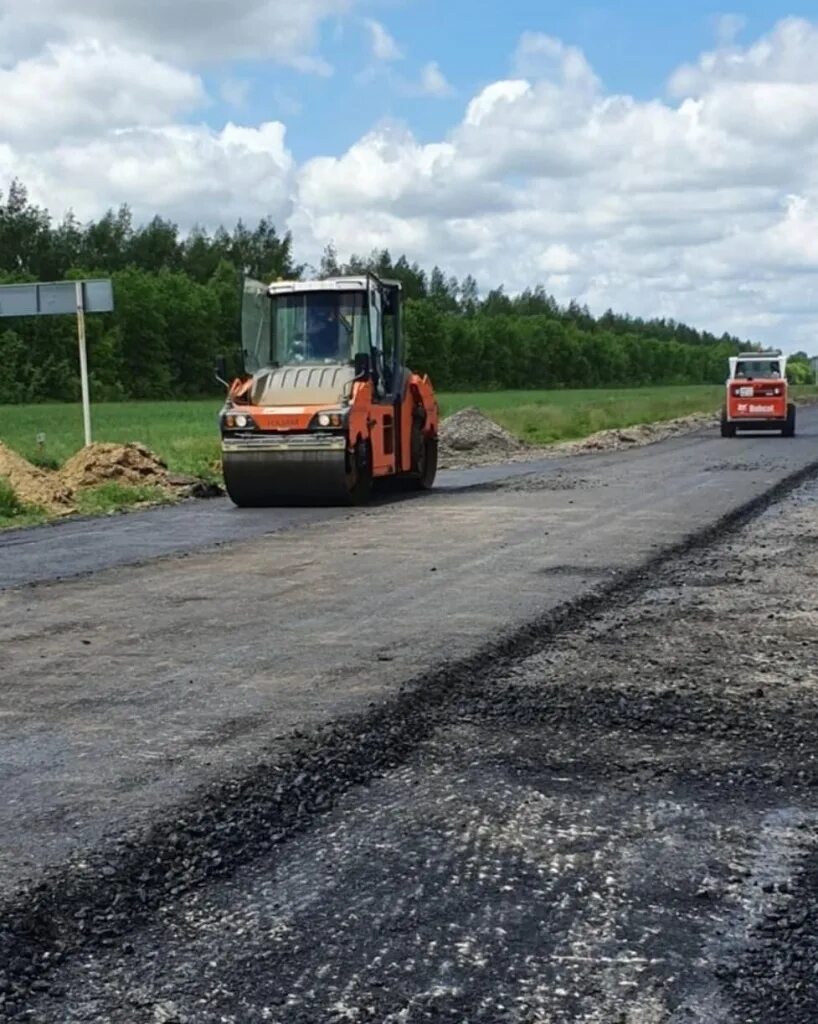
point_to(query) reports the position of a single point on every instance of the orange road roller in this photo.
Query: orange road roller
(324, 406)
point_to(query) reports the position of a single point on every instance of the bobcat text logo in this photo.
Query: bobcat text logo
(760, 410)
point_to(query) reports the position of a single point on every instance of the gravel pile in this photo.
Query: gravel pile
(470, 438)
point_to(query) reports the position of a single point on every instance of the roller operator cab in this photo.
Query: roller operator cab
(757, 395)
(325, 405)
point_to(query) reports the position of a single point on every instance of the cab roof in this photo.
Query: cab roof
(358, 282)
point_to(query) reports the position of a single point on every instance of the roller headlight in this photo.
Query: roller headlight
(332, 419)
(238, 421)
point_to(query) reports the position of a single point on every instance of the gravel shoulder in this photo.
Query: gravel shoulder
(614, 817)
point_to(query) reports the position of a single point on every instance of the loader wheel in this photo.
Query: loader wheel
(789, 427)
(359, 474)
(427, 464)
(728, 429)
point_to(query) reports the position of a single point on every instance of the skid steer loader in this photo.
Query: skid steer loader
(325, 405)
(757, 395)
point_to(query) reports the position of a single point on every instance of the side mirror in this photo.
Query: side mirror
(220, 370)
(362, 366)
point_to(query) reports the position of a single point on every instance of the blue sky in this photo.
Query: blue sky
(632, 45)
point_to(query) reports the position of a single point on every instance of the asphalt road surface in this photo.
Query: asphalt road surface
(77, 546)
(458, 758)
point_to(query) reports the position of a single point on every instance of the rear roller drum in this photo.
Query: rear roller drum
(359, 474)
(424, 459)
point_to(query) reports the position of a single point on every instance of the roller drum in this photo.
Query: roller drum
(276, 475)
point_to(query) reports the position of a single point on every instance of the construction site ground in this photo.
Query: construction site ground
(539, 747)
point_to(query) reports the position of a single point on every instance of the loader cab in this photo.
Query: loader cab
(756, 368)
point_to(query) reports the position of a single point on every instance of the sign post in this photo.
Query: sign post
(86, 400)
(62, 297)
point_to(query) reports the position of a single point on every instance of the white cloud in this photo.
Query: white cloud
(186, 172)
(184, 30)
(785, 55)
(78, 91)
(543, 57)
(728, 27)
(384, 47)
(433, 82)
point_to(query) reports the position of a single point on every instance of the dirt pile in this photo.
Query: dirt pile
(470, 438)
(130, 464)
(35, 486)
(634, 437)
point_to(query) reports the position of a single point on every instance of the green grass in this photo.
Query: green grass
(110, 497)
(14, 512)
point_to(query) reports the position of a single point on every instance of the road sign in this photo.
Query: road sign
(57, 298)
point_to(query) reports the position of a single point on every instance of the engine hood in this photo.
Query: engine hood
(302, 385)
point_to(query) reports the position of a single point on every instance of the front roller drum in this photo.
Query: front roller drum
(264, 479)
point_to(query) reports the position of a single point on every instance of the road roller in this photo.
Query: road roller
(324, 407)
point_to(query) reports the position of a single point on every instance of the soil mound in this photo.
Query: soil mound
(34, 486)
(470, 436)
(131, 464)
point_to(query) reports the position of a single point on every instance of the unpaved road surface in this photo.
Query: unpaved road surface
(598, 813)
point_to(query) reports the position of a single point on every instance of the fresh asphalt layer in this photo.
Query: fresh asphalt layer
(127, 689)
(74, 547)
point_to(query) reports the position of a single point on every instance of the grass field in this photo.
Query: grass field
(185, 434)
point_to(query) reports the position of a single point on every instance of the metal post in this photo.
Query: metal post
(86, 401)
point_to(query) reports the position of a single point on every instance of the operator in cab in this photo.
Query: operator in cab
(323, 335)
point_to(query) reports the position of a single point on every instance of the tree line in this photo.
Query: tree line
(177, 307)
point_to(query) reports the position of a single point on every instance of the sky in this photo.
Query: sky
(657, 159)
